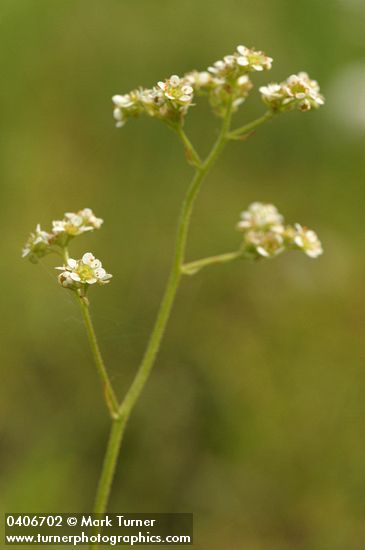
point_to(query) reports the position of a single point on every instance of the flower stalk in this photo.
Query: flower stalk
(192, 156)
(247, 129)
(163, 315)
(109, 394)
(193, 267)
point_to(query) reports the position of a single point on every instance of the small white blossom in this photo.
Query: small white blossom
(253, 60)
(265, 235)
(177, 90)
(260, 216)
(271, 92)
(169, 100)
(37, 245)
(265, 243)
(308, 241)
(123, 101)
(81, 273)
(296, 92)
(226, 82)
(90, 219)
(262, 226)
(242, 61)
(199, 80)
(221, 93)
(77, 223)
(125, 106)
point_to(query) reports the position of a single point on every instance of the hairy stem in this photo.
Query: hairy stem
(193, 267)
(158, 330)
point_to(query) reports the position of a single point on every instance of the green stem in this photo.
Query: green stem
(241, 132)
(193, 267)
(110, 397)
(191, 154)
(163, 315)
(110, 459)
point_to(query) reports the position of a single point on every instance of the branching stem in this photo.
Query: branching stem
(193, 267)
(244, 131)
(191, 155)
(127, 405)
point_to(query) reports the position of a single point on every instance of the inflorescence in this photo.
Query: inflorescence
(76, 274)
(265, 235)
(296, 92)
(226, 84)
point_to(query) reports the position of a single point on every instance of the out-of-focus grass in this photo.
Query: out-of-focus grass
(254, 416)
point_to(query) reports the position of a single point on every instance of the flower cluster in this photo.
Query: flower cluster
(307, 240)
(77, 274)
(169, 101)
(265, 235)
(37, 245)
(242, 61)
(41, 243)
(297, 92)
(224, 82)
(227, 82)
(74, 224)
(220, 91)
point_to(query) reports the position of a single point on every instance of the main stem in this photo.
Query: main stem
(149, 357)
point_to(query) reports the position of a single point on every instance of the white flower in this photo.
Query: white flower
(263, 230)
(226, 82)
(260, 216)
(253, 60)
(271, 92)
(265, 235)
(81, 273)
(123, 101)
(199, 80)
(296, 92)
(77, 223)
(119, 117)
(169, 100)
(177, 90)
(264, 243)
(37, 245)
(90, 219)
(242, 61)
(308, 241)
(126, 105)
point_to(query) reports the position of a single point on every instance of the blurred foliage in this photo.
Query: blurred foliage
(254, 417)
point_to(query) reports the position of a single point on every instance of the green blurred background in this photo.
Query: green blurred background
(254, 417)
